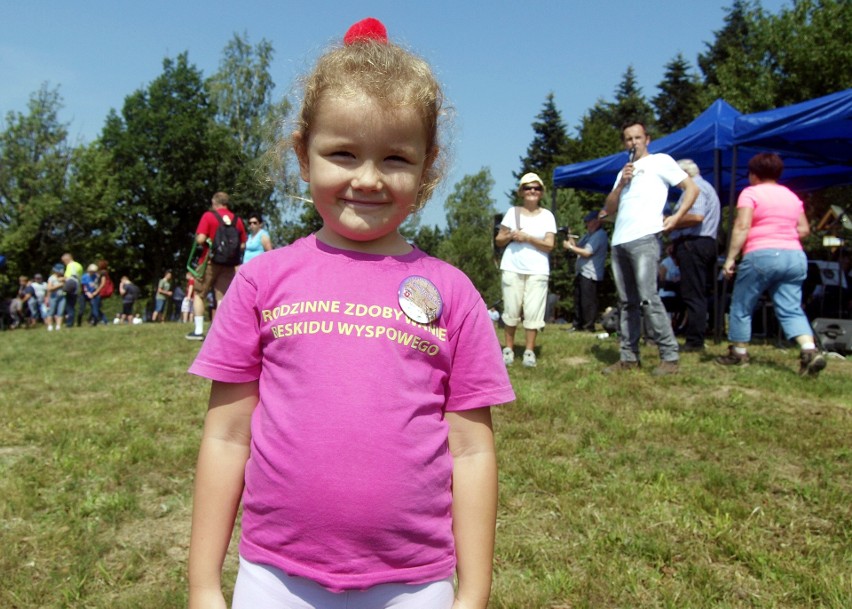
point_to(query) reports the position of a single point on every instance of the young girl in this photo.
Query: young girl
(352, 375)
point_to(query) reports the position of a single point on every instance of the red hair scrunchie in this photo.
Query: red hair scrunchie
(366, 30)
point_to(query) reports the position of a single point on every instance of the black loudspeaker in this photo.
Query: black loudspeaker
(834, 334)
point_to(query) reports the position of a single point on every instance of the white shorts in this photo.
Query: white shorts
(186, 305)
(262, 586)
(525, 294)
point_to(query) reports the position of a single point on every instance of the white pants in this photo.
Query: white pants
(527, 295)
(262, 586)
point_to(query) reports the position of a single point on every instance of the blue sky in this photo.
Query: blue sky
(497, 60)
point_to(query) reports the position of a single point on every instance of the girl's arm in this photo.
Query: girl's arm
(218, 487)
(471, 441)
(266, 242)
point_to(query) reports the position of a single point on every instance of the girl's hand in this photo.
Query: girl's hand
(202, 598)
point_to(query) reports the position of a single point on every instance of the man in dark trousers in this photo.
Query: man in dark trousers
(694, 238)
(589, 268)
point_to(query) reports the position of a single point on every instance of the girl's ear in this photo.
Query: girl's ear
(300, 147)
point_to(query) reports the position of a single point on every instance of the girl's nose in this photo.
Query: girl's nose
(367, 177)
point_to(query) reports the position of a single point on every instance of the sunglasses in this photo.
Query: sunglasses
(253, 222)
(535, 188)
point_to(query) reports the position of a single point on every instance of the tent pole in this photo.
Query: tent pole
(731, 210)
(717, 184)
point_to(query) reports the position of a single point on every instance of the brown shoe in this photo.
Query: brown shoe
(811, 362)
(665, 369)
(732, 358)
(620, 366)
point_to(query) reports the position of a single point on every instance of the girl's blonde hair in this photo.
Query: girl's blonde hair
(391, 76)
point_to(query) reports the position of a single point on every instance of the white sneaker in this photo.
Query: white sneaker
(508, 356)
(50, 328)
(529, 359)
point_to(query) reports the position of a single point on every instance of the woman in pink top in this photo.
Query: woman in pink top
(768, 229)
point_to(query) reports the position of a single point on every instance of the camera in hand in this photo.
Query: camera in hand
(565, 232)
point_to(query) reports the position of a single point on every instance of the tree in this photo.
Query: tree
(242, 93)
(630, 105)
(809, 43)
(470, 231)
(34, 163)
(548, 149)
(736, 66)
(168, 156)
(680, 98)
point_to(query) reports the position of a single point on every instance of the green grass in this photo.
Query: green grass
(714, 488)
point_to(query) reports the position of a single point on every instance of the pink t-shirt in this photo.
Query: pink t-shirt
(775, 216)
(349, 478)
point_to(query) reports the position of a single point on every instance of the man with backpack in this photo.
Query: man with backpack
(222, 238)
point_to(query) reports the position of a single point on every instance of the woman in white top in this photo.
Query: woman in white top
(529, 232)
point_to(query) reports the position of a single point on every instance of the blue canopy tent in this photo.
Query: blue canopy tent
(813, 137)
(708, 140)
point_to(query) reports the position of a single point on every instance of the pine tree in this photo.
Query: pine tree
(679, 100)
(548, 149)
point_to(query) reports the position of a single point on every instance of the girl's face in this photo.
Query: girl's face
(254, 225)
(365, 166)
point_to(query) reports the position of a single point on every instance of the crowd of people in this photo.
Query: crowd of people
(664, 261)
(73, 295)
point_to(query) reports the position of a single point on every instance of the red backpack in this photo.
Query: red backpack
(108, 288)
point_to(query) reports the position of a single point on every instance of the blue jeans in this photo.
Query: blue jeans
(635, 267)
(779, 272)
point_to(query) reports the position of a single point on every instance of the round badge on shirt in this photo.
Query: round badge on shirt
(420, 300)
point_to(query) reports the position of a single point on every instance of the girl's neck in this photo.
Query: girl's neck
(532, 208)
(392, 244)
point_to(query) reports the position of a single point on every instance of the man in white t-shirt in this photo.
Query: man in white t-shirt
(638, 197)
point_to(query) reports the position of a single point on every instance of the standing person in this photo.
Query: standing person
(362, 446)
(89, 285)
(218, 272)
(589, 269)
(56, 297)
(186, 303)
(129, 293)
(73, 279)
(638, 197)
(694, 239)
(768, 230)
(528, 232)
(103, 290)
(258, 240)
(40, 289)
(30, 301)
(164, 292)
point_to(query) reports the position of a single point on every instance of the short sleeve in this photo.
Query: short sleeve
(231, 352)
(478, 378)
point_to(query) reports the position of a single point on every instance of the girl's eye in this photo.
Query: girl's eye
(397, 159)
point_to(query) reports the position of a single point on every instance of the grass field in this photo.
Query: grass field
(713, 488)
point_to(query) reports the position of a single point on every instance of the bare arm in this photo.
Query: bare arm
(474, 504)
(688, 220)
(803, 227)
(218, 487)
(742, 224)
(266, 242)
(571, 245)
(545, 245)
(690, 193)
